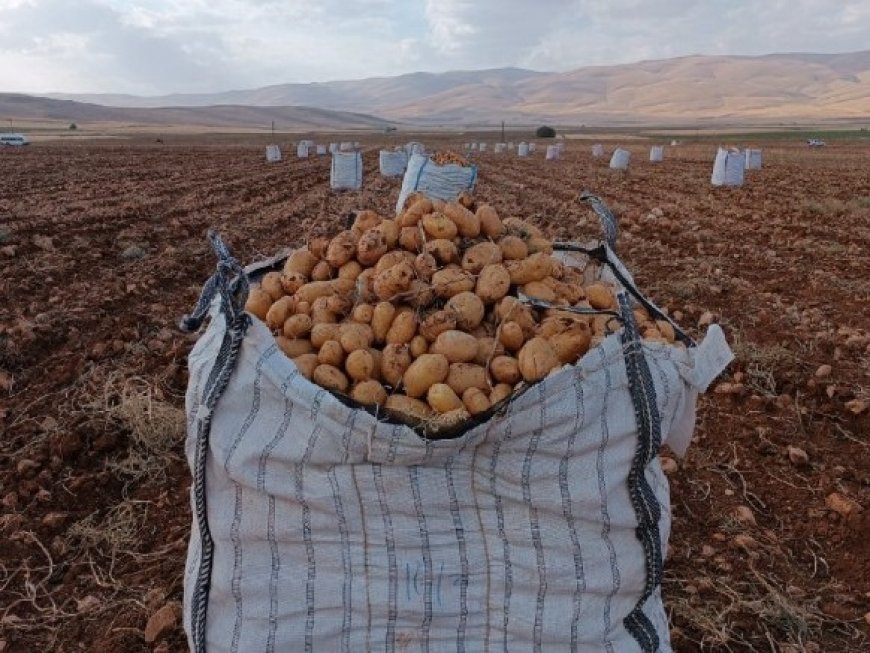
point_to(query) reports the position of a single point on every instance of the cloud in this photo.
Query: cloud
(166, 46)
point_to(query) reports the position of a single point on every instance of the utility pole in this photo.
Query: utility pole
(502, 131)
(273, 130)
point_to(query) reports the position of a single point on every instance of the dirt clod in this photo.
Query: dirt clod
(162, 622)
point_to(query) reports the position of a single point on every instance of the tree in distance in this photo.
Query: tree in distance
(545, 132)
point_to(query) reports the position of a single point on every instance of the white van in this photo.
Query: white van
(13, 140)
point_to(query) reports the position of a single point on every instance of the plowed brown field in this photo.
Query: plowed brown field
(103, 249)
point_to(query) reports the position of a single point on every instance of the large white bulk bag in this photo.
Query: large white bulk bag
(500, 147)
(728, 168)
(392, 164)
(523, 149)
(656, 153)
(753, 159)
(561, 146)
(333, 147)
(553, 153)
(543, 528)
(532, 147)
(510, 145)
(620, 159)
(302, 150)
(474, 146)
(598, 150)
(414, 148)
(674, 143)
(438, 182)
(321, 150)
(273, 153)
(346, 171)
(482, 147)
(345, 146)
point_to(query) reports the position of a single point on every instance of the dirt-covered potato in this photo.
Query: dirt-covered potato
(521, 228)
(390, 259)
(279, 312)
(331, 378)
(500, 392)
(382, 318)
(389, 229)
(572, 344)
(297, 326)
(295, 347)
(341, 249)
(600, 296)
(511, 335)
(323, 316)
(437, 323)
(359, 365)
(409, 410)
(301, 261)
(467, 223)
(410, 239)
(363, 313)
(469, 310)
(513, 248)
(475, 401)
(442, 250)
(371, 247)
(322, 332)
(318, 247)
(427, 370)
(350, 270)
(394, 281)
(536, 359)
(425, 266)
(331, 353)
(490, 224)
(419, 294)
(369, 393)
(511, 309)
(451, 281)
(395, 360)
(536, 245)
(403, 328)
(338, 304)
(456, 346)
(364, 221)
(306, 364)
(364, 284)
(258, 303)
(418, 346)
(311, 291)
(271, 283)
(462, 376)
(415, 212)
(667, 330)
(292, 281)
(534, 268)
(505, 369)
(493, 283)
(487, 349)
(479, 256)
(438, 225)
(442, 399)
(539, 290)
(354, 336)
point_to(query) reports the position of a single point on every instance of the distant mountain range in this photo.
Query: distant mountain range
(733, 89)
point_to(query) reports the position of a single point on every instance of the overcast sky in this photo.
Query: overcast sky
(165, 46)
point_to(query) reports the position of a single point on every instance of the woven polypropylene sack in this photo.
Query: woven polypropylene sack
(392, 163)
(523, 149)
(346, 171)
(620, 159)
(553, 153)
(302, 150)
(329, 530)
(728, 168)
(439, 182)
(321, 150)
(753, 159)
(273, 153)
(657, 153)
(598, 150)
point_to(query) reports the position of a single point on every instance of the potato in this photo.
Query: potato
(322, 332)
(456, 346)
(395, 257)
(536, 359)
(371, 247)
(469, 310)
(425, 266)
(297, 326)
(487, 348)
(444, 251)
(550, 326)
(451, 419)
(479, 256)
(306, 364)
(395, 360)
(300, 261)
(321, 304)
(340, 305)
(418, 346)
(511, 336)
(572, 344)
(419, 294)
(364, 221)
(505, 369)
(513, 248)
(294, 348)
(350, 270)
(363, 313)
(377, 356)
(318, 247)
(475, 401)
(414, 212)
(292, 281)
(271, 283)
(600, 296)
(568, 292)
(536, 245)
(534, 268)
(466, 199)
(311, 291)
(359, 365)
(279, 312)
(407, 409)
(511, 309)
(521, 228)
(438, 225)
(539, 290)
(437, 323)
(403, 328)
(364, 285)
(303, 308)
(369, 393)
(258, 303)
(323, 315)
(331, 378)
(423, 373)
(341, 249)
(437, 205)
(603, 325)
(667, 330)
(411, 239)
(389, 229)
(451, 281)
(382, 318)
(467, 223)
(331, 353)
(462, 376)
(490, 224)
(442, 399)
(500, 392)
(493, 283)
(353, 336)
(394, 281)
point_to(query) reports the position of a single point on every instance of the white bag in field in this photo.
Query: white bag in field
(620, 159)
(318, 527)
(345, 146)
(482, 147)
(598, 150)
(510, 145)
(532, 147)
(553, 153)
(273, 153)
(657, 153)
(392, 163)
(728, 168)
(753, 159)
(500, 147)
(346, 171)
(302, 150)
(333, 148)
(473, 146)
(523, 149)
(438, 182)
(414, 148)
(321, 150)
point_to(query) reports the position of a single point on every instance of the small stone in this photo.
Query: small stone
(162, 622)
(842, 505)
(744, 515)
(745, 542)
(54, 519)
(133, 253)
(795, 592)
(154, 598)
(823, 371)
(87, 604)
(669, 465)
(706, 319)
(708, 551)
(798, 456)
(856, 406)
(26, 467)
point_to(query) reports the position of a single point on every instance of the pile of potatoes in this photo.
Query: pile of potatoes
(447, 157)
(421, 315)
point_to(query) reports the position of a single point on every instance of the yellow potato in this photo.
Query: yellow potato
(511, 309)
(600, 296)
(511, 336)
(331, 353)
(395, 257)
(451, 281)
(322, 332)
(414, 212)
(382, 318)
(303, 308)
(539, 290)
(505, 369)
(340, 305)
(427, 370)
(667, 330)
(341, 249)
(513, 248)
(377, 356)
(279, 312)
(534, 268)
(292, 281)
(462, 376)
(442, 399)
(389, 229)
(350, 270)
(475, 401)
(490, 224)
(331, 378)
(271, 283)
(437, 323)
(371, 247)
(437, 225)
(294, 348)
(418, 346)
(360, 365)
(364, 221)
(403, 328)
(369, 393)
(487, 348)
(354, 336)
(394, 281)
(323, 316)
(479, 256)
(395, 360)
(301, 261)
(364, 285)
(306, 364)
(536, 359)
(466, 199)
(419, 294)
(258, 303)
(444, 251)
(469, 310)
(425, 266)
(297, 326)
(318, 247)
(311, 291)
(363, 313)
(536, 245)
(407, 409)
(500, 392)
(411, 239)
(467, 223)
(521, 228)
(572, 344)
(456, 346)
(493, 283)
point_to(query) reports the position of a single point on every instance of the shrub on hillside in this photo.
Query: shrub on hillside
(545, 132)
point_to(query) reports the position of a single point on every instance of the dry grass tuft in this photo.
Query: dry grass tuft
(116, 532)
